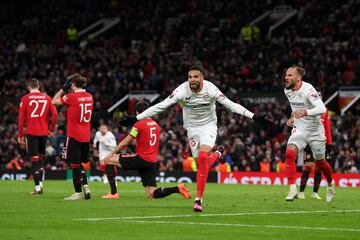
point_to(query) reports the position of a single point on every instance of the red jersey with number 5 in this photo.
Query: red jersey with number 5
(34, 109)
(147, 133)
(79, 114)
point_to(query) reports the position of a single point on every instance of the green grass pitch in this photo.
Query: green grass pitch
(230, 212)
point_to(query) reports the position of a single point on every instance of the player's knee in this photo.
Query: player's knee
(290, 154)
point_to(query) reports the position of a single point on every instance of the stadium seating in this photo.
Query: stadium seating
(151, 48)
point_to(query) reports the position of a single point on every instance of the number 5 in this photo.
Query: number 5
(152, 136)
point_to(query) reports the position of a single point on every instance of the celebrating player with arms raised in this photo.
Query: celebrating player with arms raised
(197, 98)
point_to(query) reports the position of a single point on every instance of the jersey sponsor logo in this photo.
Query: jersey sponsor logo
(197, 106)
(297, 104)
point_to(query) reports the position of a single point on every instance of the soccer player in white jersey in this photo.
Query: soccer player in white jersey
(307, 107)
(197, 98)
(107, 143)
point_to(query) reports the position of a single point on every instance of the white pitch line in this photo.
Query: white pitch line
(248, 225)
(216, 215)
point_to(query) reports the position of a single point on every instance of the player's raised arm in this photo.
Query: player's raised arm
(234, 107)
(159, 107)
(151, 111)
(239, 109)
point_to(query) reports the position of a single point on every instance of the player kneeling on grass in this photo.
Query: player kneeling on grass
(144, 160)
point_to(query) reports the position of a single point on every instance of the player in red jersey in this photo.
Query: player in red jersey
(35, 108)
(144, 160)
(80, 106)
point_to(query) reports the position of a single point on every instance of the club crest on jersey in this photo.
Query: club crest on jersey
(206, 97)
(314, 96)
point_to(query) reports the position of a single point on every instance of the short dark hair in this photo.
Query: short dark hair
(197, 67)
(78, 80)
(33, 83)
(299, 68)
(141, 106)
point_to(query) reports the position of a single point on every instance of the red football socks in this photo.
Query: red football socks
(202, 173)
(325, 168)
(290, 166)
(213, 157)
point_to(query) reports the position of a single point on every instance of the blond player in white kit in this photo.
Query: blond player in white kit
(197, 98)
(307, 107)
(107, 143)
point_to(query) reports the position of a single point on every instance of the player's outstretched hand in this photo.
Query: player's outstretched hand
(67, 85)
(262, 119)
(127, 120)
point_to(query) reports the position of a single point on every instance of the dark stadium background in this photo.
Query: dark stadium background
(151, 48)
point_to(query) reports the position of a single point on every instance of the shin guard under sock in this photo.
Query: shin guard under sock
(325, 168)
(202, 173)
(290, 166)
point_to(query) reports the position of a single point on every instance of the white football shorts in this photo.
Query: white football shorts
(205, 135)
(315, 139)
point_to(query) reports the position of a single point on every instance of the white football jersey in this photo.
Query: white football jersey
(198, 108)
(107, 143)
(306, 97)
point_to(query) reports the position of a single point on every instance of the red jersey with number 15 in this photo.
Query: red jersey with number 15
(34, 110)
(79, 114)
(147, 133)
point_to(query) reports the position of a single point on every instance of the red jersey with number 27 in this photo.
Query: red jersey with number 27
(147, 133)
(79, 114)
(34, 110)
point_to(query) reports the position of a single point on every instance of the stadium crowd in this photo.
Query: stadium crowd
(151, 49)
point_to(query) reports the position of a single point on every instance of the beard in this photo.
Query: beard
(290, 86)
